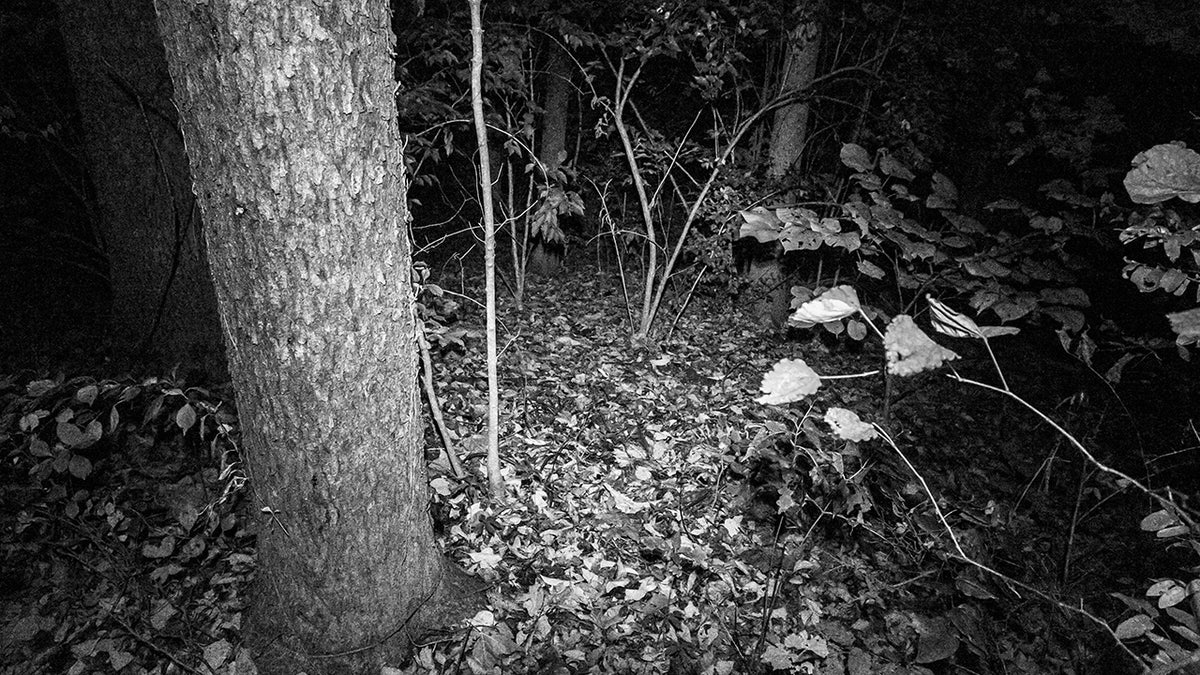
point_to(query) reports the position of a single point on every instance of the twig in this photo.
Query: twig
(155, 648)
(1162, 501)
(435, 406)
(686, 301)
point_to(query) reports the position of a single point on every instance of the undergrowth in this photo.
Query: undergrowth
(659, 520)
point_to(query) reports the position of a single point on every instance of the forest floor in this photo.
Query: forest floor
(658, 519)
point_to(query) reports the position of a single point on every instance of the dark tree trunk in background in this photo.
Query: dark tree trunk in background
(556, 101)
(790, 129)
(552, 148)
(163, 307)
(290, 118)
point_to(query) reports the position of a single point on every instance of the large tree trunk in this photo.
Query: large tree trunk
(790, 129)
(291, 128)
(163, 307)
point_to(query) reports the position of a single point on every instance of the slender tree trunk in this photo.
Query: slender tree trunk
(495, 481)
(291, 125)
(790, 129)
(163, 307)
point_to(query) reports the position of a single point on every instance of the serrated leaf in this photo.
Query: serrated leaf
(1162, 172)
(788, 381)
(847, 425)
(909, 349)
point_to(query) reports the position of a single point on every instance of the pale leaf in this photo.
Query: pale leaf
(1162, 172)
(1186, 325)
(790, 380)
(950, 322)
(761, 224)
(847, 425)
(909, 349)
(835, 304)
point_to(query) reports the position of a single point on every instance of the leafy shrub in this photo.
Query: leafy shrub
(1020, 266)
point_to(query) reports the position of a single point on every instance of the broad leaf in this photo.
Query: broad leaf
(789, 381)
(847, 425)
(856, 157)
(832, 305)
(760, 223)
(1134, 627)
(1162, 172)
(909, 349)
(1186, 325)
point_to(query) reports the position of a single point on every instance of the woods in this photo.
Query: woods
(823, 337)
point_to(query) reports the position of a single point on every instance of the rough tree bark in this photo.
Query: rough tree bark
(790, 129)
(291, 127)
(163, 307)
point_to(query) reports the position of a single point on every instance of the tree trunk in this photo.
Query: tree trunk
(291, 127)
(555, 104)
(546, 258)
(790, 129)
(163, 307)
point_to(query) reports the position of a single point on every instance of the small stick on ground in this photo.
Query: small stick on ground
(435, 406)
